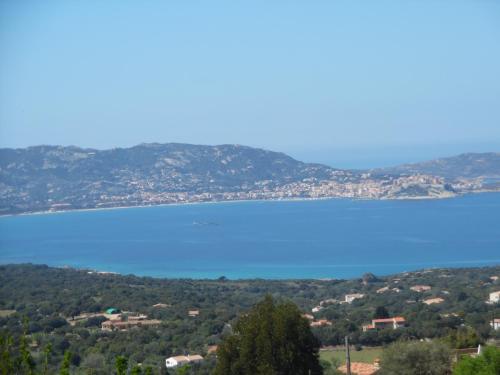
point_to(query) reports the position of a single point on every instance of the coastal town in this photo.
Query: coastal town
(178, 173)
(406, 187)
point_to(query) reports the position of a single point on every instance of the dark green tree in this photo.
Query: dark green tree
(27, 362)
(66, 363)
(416, 358)
(380, 313)
(464, 337)
(271, 339)
(121, 365)
(136, 370)
(6, 363)
(488, 363)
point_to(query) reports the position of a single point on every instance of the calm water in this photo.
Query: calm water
(301, 239)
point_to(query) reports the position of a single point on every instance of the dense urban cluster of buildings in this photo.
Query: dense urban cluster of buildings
(367, 187)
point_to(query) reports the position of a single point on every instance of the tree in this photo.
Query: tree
(46, 358)
(136, 370)
(488, 363)
(121, 364)
(271, 339)
(464, 337)
(380, 313)
(27, 362)
(6, 363)
(66, 363)
(94, 363)
(416, 358)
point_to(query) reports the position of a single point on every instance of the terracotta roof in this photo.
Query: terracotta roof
(420, 288)
(308, 316)
(212, 349)
(430, 301)
(358, 368)
(320, 323)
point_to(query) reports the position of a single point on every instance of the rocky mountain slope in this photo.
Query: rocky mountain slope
(38, 177)
(57, 178)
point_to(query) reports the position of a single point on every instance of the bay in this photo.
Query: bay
(266, 239)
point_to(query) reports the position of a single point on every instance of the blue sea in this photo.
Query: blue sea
(336, 238)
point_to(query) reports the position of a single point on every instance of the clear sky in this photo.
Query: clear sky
(350, 83)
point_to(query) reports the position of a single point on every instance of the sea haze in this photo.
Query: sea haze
(266, 239)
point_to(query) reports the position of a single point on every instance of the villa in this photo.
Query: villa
(317, 309)
(395, 322)
(308, 316)
(351, 297)
(432, 301)
(119, 325)
(495, 297)
(182, 360)
(495, 324)
(320, 323)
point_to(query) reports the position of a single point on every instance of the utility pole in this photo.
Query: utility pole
(347, 356)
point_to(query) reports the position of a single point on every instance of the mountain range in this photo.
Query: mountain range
(470, 165)
(53, 178)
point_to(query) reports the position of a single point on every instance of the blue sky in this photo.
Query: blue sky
(350, 83)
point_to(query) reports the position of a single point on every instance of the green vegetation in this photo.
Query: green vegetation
(488, 363)
(65, 366)
(270, 339)
(50, 297)
(121, 364)
(416, 358)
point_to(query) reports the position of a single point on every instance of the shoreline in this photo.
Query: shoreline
(95, 272)
(298, 199)
(170, 204)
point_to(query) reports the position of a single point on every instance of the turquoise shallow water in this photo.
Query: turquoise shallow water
(299, 239)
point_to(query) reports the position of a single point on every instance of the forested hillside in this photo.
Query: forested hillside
(50, 297)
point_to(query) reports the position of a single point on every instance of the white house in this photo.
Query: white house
(395, 323)
(317, 309)
(495, 324)
(495, 297)
(351, 297)
(181, 360)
